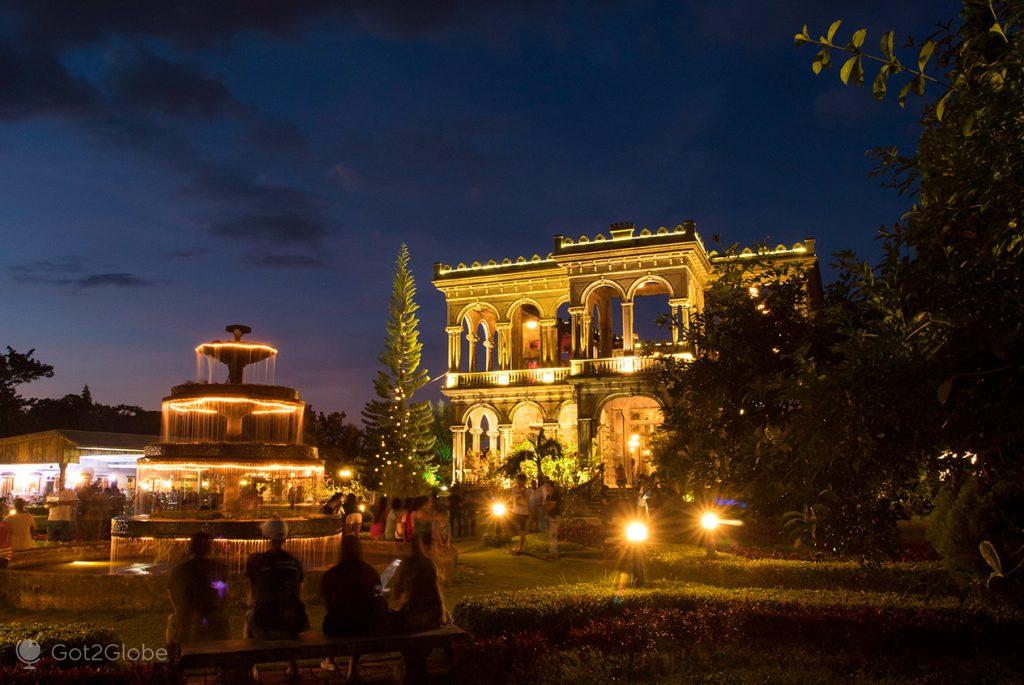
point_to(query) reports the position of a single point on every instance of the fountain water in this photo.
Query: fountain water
(231, 456)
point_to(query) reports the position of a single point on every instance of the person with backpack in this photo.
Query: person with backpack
(275, 581)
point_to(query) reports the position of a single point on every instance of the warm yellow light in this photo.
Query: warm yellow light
(498, 509)
(197, 404)
(206, 483)
(167, 484)
(345, 473)
(628, 365)
(636, 531)
(547, 377)
(12, 512)
(503, 379)
(531, 324)
(243, 482)
(754, 291)
(362, 507)
(237, 345)
(634, 441)
(710, 521)
(452, 380)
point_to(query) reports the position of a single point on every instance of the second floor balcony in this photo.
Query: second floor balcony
(620, 365)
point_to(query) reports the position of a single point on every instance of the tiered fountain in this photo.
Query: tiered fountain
(231, 457)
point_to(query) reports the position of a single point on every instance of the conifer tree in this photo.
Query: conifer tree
(399, 438)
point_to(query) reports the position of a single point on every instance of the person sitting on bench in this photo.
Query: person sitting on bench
(416, 592)
(275, 579)
(198, 593)
(352, 597)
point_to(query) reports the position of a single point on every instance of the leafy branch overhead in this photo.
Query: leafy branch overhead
(915, 71)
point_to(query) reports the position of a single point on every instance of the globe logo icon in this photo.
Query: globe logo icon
(28, 652)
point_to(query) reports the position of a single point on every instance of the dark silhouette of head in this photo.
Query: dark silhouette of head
(351, 549)
(200, 545)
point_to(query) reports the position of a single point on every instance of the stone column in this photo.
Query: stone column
(576, 313)
(458, 453)
(548, 345)
(454, 348)
(586, 336)
(492, 446)
(506, 439)
(472, 339)
(585, 440)
(604, 310)
(627, 328)
(680, 319)
(476, 433)
(489, 353)
(504, 345)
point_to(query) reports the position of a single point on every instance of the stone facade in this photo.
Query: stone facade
(564, 342)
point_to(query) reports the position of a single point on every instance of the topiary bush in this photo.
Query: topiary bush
(578, 531)
(688, 563)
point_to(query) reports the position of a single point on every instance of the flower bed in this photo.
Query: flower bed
(686, 563)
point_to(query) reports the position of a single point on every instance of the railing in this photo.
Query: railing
(616, 365)
(606, 366)
(490, 379)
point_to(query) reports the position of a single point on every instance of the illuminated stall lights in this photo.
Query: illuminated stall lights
(267, 406)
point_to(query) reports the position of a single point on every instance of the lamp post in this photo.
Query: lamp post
(636, 536)
(498, 511)
(709, 522)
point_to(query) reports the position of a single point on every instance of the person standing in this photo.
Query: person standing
(620, 476)
(61, 516)
(391, 525)
(353, 517)
(520, 495)
(198, 597)
(455, 511)
(553, 510)
(275, 580)
(6, 552)
(22, 525)
(380, 518)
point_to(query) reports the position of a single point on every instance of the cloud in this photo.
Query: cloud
(280, 227)
(150, 82)
(187, 253)
(70, 272)
(34, 83)
(292, 261)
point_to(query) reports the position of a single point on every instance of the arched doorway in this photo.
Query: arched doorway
(567, 433)
(527, 419)
(627, 427)
(602, 323)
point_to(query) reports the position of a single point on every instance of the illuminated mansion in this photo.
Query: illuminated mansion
(565, 342)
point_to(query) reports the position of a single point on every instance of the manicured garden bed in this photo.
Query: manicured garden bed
(688, 563)
(877, 618)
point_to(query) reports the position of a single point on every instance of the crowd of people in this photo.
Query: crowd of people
(356, 600)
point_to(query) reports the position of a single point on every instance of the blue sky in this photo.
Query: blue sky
(168, 168)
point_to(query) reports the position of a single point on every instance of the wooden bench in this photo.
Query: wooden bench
(236, 658)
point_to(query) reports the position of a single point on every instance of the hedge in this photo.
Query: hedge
(873, 620)
(49, 634)
(107, 674)
(686, 563)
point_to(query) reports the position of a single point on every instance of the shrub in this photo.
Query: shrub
(70, 635)
(871, 620)
(578, 531)
(688, 563)
(106, 674)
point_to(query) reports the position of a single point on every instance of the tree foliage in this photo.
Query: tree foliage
(399, 435)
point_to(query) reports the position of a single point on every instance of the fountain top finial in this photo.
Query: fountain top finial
(238, 330)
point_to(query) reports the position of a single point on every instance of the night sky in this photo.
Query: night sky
(168, 168)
